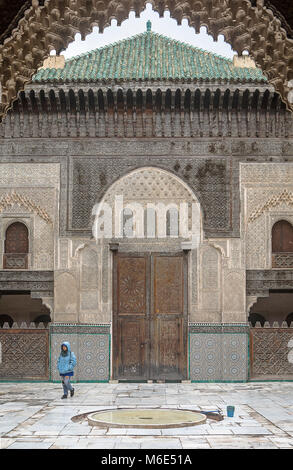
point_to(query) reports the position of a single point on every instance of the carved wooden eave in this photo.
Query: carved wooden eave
(145, 109)
(53, 25)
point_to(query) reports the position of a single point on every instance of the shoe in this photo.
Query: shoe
(63, 396)
(72, 392)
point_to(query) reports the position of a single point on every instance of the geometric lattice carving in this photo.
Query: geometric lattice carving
(15, 261)
(270, 351)
(15, 198)
(92, 179)
(150, 184)
(282, 260)
(25, 354)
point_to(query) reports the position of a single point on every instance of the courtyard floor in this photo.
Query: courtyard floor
(33, 416)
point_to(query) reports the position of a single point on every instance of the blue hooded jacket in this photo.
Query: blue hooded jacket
(66, 363)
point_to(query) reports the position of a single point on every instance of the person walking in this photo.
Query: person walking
(65, 365)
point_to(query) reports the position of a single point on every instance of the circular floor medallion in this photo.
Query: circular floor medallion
(146, 418)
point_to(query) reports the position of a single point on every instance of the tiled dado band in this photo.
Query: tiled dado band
(91, 345)
(218, 352)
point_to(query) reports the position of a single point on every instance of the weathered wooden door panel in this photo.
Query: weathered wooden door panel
(167, 317)
(167, 349)
(150, 316)
(130, 325)
(131, 348)
(168, 284)
(131, 285)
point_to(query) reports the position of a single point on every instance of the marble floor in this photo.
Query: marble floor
(33, 416)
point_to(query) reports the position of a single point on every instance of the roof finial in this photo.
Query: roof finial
(149, 25)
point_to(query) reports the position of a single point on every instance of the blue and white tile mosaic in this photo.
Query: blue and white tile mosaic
(91, 345)
(218, 356)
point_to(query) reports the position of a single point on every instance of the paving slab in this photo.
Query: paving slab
(33, 414)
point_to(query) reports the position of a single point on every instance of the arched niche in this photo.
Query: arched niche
(282, 245)
(6, 319)
(65, 294)
(275, 307)
(16, 246)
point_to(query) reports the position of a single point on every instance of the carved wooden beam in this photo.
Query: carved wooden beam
(54, 25)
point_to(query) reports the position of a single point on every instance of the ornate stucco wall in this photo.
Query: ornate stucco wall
(30, 193)
(266, 196)
(57, 182)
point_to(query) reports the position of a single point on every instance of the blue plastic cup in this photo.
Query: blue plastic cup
(230, 411)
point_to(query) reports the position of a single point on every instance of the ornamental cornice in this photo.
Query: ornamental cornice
(53, 25)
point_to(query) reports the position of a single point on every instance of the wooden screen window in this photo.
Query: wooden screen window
(16, 247)
(282, 245)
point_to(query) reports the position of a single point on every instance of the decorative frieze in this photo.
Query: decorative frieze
(259, 282)
(178, 110)
(25, 353)
(34, 281)
(282, 260)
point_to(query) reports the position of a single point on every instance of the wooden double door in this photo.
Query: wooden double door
(150, 316)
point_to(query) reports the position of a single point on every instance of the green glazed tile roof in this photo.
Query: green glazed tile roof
(148, 56)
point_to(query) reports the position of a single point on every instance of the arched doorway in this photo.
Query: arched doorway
(150, 275)
(16, 246)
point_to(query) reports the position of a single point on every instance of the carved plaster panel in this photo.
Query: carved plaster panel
(65, 297)
(29, 193)
(266, 197)
(209, 279)
(234, 296)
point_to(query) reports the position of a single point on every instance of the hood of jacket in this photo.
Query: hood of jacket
(65, 343)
